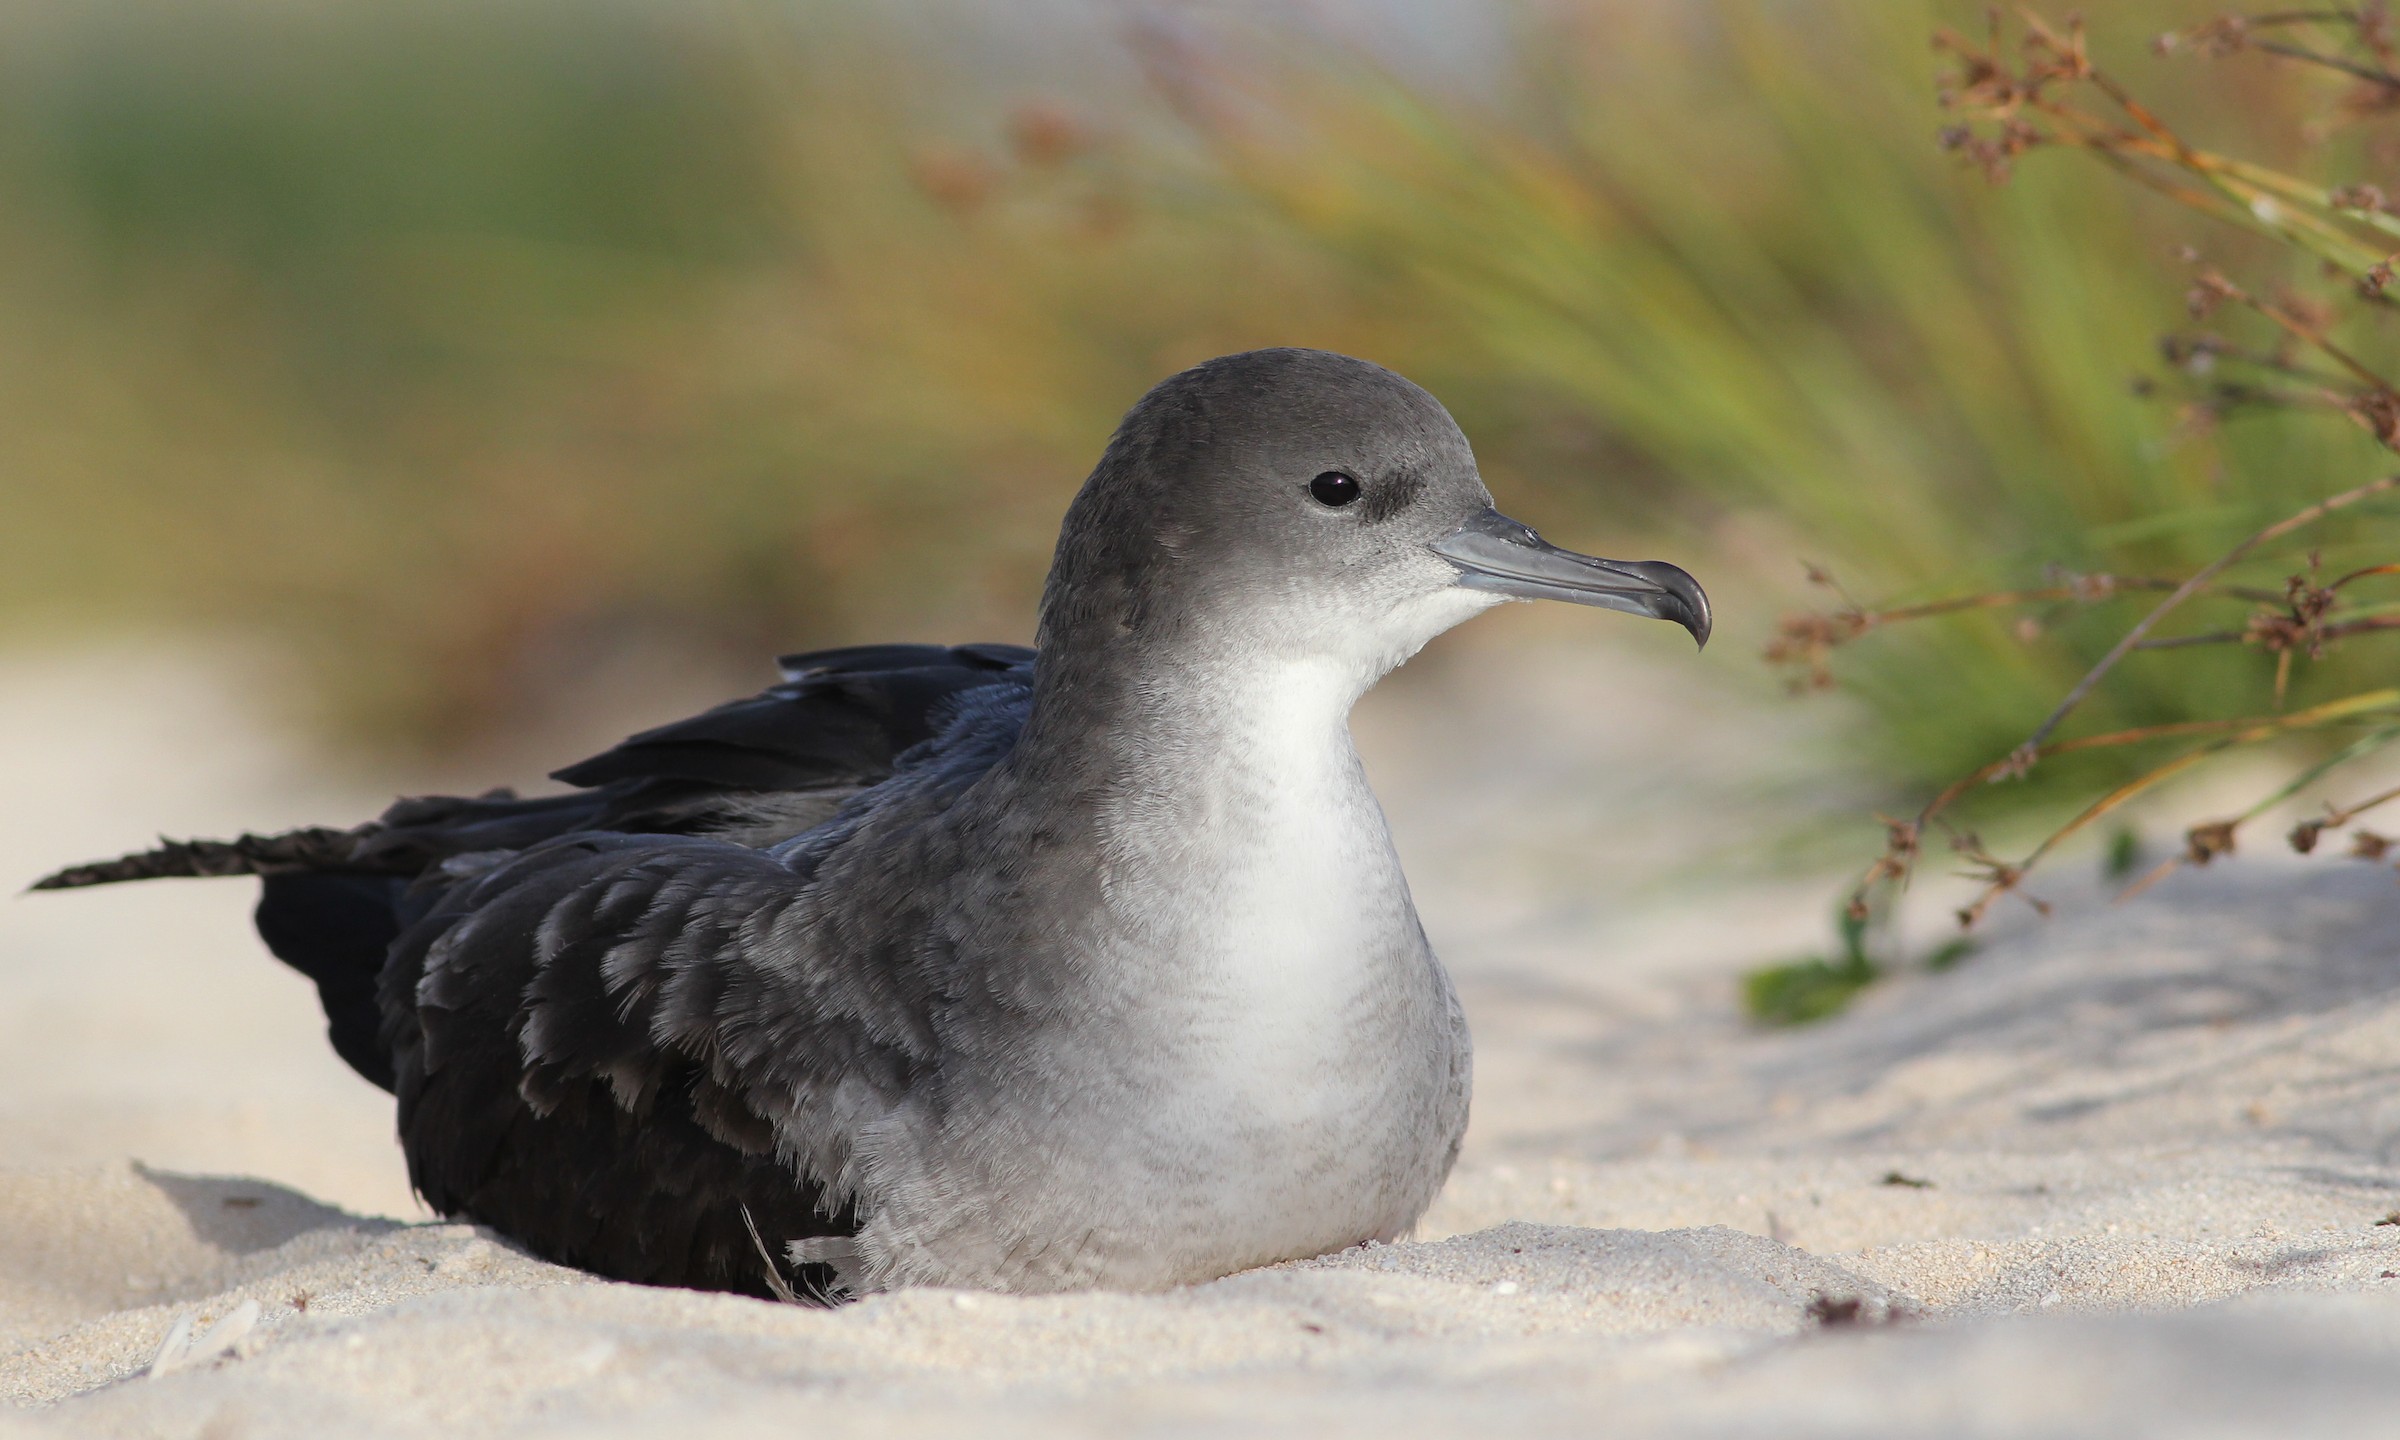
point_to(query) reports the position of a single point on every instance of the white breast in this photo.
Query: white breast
(1296, 920)
(1298, 1076)
(1265, 1061)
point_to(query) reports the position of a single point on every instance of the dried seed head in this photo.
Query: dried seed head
(2379, 412)
(2308, 311)
(2018, 765)
(2225, 35)
(2203, 843)
(2093, 588)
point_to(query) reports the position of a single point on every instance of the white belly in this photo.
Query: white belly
(1270, 1065)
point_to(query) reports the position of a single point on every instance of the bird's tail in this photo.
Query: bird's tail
(315, 848)
(331, 902)
(329, 910)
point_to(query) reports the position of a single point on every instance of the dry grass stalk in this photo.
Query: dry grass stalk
(2044, 96)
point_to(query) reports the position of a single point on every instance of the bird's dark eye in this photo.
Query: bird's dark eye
(1333, 488)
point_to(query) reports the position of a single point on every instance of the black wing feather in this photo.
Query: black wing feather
(839, 719)
(560, 1038)
(557, 989)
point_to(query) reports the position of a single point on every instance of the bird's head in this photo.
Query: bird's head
(1305, 505)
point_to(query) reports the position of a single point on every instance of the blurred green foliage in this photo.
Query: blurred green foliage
(439, 337)
(456, 342)
(1719, 234)
(1819, 987)
(1816, 988)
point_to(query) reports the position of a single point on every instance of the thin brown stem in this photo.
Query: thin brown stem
(2247, 733)
(2028, 752)
(2363, 626)
(2301, 17)
(2299, 330)
(2087, 588)
(2369, 73)
(2391, 569)
(2343, 815)
(1899, 859)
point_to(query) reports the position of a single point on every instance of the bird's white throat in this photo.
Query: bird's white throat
(1258, 872)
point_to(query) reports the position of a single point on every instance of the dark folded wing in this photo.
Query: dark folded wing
(634, 1052)
(756, 770)
(839, 719)
(641, 1053)
(607, 1015)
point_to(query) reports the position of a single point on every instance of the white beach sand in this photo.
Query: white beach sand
(2118, 1174)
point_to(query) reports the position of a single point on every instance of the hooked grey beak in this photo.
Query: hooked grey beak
(1496, 554)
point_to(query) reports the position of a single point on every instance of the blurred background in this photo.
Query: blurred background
(457, 353)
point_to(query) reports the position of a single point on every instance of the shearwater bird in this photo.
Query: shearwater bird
(1089, 965)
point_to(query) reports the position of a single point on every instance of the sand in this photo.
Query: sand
(2119, 1173)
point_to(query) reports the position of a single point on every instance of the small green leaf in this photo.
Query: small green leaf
(1805, 990)
(1851, 926)
(2124, 853)
(1949, 953)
